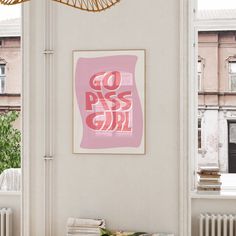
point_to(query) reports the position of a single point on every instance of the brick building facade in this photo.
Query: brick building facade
(10, 66)
(217, 99)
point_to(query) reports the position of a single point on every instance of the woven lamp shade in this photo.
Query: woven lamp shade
(86, 5)
(12, 2)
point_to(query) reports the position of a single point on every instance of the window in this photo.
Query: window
(215, 101)
(214, 34)
(199, 75)
(2, 77)
(10, 103)
(232, 76)
(213, 52)
(199, 133)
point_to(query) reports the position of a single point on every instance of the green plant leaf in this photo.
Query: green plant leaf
(10, 141)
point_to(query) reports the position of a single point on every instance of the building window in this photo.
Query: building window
(232, 76)
(199, 74)
(2, 77)
(213, 33)
(199, 134)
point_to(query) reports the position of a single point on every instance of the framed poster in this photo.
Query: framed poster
(109, 102)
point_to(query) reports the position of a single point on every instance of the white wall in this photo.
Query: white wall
(12, 200)
(130, 192)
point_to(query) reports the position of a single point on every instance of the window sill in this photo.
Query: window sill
(223, 194)
(10, 193)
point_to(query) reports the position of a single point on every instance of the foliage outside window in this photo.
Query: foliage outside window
(10, 141)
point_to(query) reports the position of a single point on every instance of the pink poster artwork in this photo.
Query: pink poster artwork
(109, 104)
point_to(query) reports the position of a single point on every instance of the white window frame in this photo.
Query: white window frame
(186, 25)
(224, 25)
(25, 160)
(47, 7)
(188, 106)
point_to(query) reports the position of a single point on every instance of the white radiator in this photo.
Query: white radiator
(217, 225)
(5, 222)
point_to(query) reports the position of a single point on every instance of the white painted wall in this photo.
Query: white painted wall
(12, 200)
(130, 192)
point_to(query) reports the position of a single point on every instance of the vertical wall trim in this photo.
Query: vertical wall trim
(184, 183)
(25, 160)
(48, 122)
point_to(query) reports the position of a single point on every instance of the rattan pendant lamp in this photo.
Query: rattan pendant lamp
(11, 2)
(86, 5)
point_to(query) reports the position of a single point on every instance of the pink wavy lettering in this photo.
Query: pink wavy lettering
(109, 103)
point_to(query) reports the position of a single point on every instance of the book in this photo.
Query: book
(209, 169)
(210, 175)
(210, 184)
(204, 181)
(199, 188)
(91, 223)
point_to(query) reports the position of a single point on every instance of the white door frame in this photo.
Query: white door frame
(48, 118)
(25, 162)
(186, 113)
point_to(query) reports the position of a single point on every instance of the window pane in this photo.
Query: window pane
(232, 132)
(199, 67)
(2, 70)
(217, 100)
(199, 81)
(199, 134)
(216, 4)
(2, 84)
(233, 82)
(232, 67)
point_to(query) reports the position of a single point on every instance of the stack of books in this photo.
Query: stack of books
(209, 179)
(84, 227)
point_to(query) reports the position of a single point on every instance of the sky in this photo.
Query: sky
(216, 4)
(9, 12)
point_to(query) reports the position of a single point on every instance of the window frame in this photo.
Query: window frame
(188, 112)
(25, 160)
(201, 60)
(199, 134)
(230, 75)
(199, 25)
(2, 78)
(199, 75)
